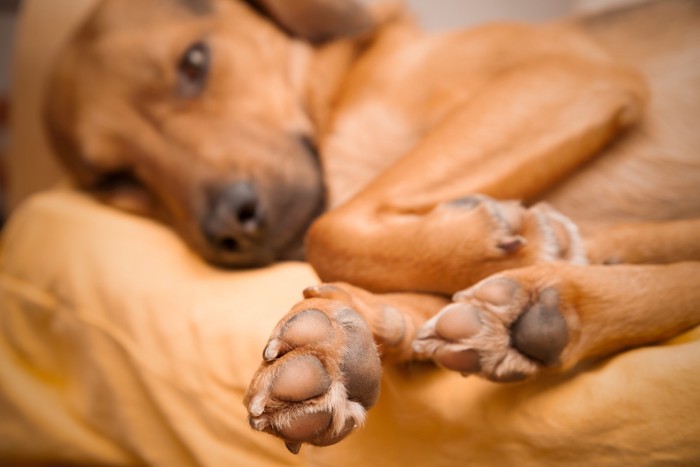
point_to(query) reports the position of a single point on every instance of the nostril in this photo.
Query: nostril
(247, 213)
(238, 204)
(229, 244)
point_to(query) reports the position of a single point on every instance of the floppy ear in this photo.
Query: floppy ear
(319, 20)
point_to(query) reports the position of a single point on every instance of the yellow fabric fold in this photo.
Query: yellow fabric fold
(119, 346)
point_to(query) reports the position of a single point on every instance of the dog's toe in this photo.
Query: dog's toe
(458, 321)
(463, 361)
(559, 237)
(301, 329)
(495, 292)
(306, 427)
(507, 218)
(300, 378)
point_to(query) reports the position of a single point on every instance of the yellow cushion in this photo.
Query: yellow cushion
(117, 345)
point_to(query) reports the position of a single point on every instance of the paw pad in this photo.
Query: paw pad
(541, 332)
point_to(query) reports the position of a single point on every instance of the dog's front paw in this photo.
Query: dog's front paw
(538, 233)
(500, 329)
(321, 372)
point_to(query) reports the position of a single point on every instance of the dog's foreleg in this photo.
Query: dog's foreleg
(553, 316)
(322, 363)
(518, 136)
(413, 230)
(648, 242)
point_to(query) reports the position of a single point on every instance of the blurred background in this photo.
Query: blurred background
(24, 59)
(442, 14)
(8, 22)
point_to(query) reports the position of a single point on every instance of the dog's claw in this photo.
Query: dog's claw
(462, 361)
(293, 446)
(328, 291)
(321, 373)
(496, 329)
(272, 350)
(259, 423)
(512, 244)
(257, 405)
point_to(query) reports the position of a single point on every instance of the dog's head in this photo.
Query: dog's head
(193, 111)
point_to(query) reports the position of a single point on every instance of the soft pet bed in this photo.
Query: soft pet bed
(117, 345)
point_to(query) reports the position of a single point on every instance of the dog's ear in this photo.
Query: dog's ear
(319, 20)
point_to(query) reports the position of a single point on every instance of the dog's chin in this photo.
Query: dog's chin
(252, 258)
(259, 256)
(240, 260)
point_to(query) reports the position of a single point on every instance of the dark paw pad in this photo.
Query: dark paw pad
(541, 332)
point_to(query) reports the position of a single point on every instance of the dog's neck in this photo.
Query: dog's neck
(328, 69)
(332, 62)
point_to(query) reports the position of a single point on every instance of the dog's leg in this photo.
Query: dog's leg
(520, 135)
(650, 242)
(417, 229)
(519, 322)
(322, 362)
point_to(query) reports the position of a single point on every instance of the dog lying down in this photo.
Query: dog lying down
(239, 123)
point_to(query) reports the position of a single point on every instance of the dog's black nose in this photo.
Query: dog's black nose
(234, 220)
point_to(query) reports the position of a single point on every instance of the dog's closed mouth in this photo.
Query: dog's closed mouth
(116, 180)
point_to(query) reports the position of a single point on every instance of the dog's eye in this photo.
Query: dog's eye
(310, 146)
(111, 181)
(193, 69)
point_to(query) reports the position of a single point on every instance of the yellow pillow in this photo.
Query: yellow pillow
(117, 345)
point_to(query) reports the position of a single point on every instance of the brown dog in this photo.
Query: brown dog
(207, 113)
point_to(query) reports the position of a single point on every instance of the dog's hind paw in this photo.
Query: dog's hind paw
(321, 371)
(498, 329)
